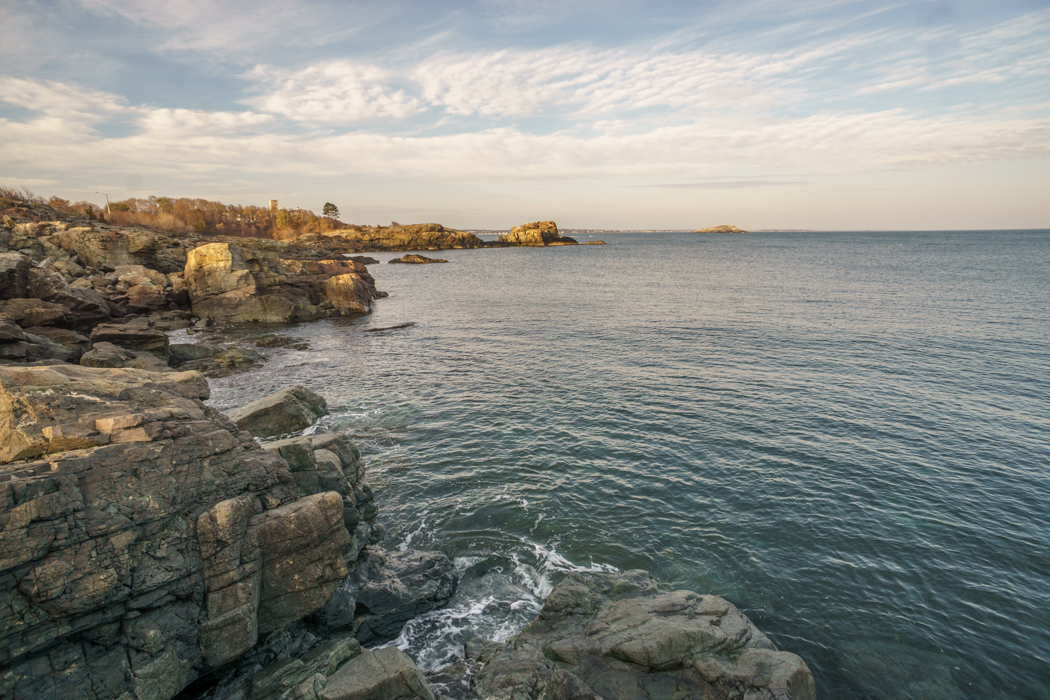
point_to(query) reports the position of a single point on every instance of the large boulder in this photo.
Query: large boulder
(286, 411)
(144, 540)
(383, 674)
(618, 637)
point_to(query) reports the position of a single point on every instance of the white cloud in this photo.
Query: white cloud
(335, 92)
(70, 103)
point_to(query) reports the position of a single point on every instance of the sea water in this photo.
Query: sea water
(845, 434)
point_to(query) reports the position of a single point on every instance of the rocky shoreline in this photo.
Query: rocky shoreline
(153, 547)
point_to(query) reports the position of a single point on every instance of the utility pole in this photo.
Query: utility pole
(107, 201)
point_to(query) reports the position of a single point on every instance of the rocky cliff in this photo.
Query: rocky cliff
(145, 540)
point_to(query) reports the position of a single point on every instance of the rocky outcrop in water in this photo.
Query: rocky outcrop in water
(417, 260)
(618, 637)
(394, 237)
(538, 233)
(228, 284)
(144, 539)
(724, 228)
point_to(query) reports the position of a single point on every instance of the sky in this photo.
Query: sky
(815, 114)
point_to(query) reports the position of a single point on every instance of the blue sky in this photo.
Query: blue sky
(824, 114)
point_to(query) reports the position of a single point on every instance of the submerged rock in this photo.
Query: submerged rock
(618, 637)
(286, 411)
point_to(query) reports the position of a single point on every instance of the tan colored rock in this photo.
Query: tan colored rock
(724, 228)
(538, 233)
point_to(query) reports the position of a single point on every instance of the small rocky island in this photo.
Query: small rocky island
(724, 228)
(417, 260)
(538, 233)
(151, 546)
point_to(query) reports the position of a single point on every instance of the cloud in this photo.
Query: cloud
(334, 92)
(69, 103)
(186, 143)
(235, 26)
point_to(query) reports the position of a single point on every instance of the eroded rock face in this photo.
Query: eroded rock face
(395, 237)
(538, 233)
(143, 538)
(617, 637)
(228, 284)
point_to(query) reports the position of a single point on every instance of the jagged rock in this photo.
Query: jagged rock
(383, 674)
(227, 284)
(417, 260)
(387, 589)
(538, 233)
(108, 249)
(40, 347)
(617, 637)
(14, 275)
(306, 676)
(285, 411)
(137, 337)
(152, 543)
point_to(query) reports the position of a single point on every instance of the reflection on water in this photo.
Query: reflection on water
(844, 434)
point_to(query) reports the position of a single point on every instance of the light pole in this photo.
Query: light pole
(107, 201)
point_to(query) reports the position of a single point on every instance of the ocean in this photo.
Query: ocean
(845, 434)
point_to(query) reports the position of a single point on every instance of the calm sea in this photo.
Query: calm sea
(845, 434)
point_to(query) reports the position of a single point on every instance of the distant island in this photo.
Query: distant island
(724, 228)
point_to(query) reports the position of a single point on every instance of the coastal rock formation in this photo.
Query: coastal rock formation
(724, 228)
(393, 237)
(417, 260)
(285, 411)
(228, 284)
(385, 590)
(618, 637)
(538, 233)
(145, 540)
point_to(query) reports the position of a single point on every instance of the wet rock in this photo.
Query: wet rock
(179, 353)
(306, 676)
(617, 637)
(279, 341)
(387, 589)
(285, 411)
(417, 260)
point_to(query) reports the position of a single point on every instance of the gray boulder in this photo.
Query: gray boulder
(287, 411)
(383, 674)
(618, 637)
